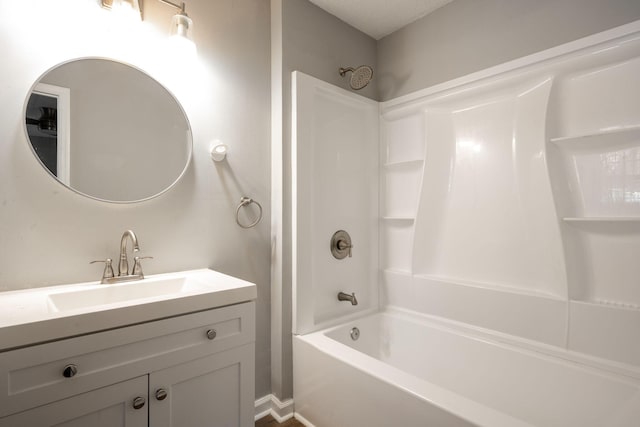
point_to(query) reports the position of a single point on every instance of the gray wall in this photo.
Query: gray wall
(470, 35)
(316, 43)
(48, 234)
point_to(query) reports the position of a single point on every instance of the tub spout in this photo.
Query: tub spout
(346, 297)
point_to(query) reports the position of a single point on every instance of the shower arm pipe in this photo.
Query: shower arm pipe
(342, 70)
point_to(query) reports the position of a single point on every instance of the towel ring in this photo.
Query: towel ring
(244, 201)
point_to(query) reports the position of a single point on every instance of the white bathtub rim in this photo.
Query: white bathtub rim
(446, 400)
(616, 370)
(334, 322)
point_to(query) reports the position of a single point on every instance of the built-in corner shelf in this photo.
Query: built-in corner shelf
(399, 218)
(602, 219)
(618, 137)
(404, 164)
(488, 286)
(614, 304)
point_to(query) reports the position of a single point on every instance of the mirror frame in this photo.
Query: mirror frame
(33, 89)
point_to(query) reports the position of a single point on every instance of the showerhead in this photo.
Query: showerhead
(360, 77)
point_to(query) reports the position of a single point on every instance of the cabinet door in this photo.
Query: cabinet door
(214, 391)
(110, 406)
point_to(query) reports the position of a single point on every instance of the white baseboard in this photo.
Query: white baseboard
(304, 421)
(271, 405)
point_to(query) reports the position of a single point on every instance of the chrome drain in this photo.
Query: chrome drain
(355, 333)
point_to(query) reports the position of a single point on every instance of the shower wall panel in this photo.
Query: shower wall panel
(527, 219)
(595, 138)
(486, 213)
(509, 200)
(335, 187)
(479, 193)
(401, 154)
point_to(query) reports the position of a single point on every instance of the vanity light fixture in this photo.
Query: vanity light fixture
(181, 24)
(181, 28)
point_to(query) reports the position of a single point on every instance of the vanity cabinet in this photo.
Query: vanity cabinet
(191, 370)
(203, 390)
(109, 406)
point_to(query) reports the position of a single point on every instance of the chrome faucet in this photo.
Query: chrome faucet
(346, 297)
(123, 264)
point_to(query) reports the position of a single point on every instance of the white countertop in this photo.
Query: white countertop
(30, 316)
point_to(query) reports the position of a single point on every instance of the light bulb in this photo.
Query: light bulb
(181, 27)
(126, 10)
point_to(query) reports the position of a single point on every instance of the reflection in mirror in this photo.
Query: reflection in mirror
(107, 130)
(48, 115)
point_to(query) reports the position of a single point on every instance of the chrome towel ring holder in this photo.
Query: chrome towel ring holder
(245, 201)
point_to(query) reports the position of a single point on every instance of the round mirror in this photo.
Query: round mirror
(108, 130)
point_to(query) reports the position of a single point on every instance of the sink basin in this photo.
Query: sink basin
(130, 291)
(43, 314)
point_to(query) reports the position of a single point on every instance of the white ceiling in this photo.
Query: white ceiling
(379, 18)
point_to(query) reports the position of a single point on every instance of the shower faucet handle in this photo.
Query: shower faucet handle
(341, 245)
(344, 245)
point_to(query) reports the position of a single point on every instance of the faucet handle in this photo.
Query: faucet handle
(108, 268)
(343, 245)
(137, 267)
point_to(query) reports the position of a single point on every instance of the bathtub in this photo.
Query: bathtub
(409, 370)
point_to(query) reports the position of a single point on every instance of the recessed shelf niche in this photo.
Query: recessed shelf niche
(402, 154)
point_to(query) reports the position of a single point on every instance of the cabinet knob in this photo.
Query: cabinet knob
(138, 402)
(211, 334)
(69, 371)
(161, 394)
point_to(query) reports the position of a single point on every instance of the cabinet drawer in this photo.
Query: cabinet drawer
(34, 376)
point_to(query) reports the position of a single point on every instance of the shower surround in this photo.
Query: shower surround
(509, 228)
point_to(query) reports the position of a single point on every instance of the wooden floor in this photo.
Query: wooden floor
(269, 421)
